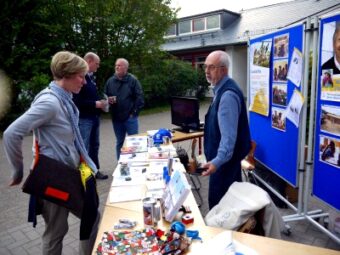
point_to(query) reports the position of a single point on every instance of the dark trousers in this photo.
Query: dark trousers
(221, 180)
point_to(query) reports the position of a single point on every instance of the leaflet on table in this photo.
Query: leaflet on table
(151, 175)
(125, 193)
(135, 144)
(154, 175)
(162, 152)
(134, 157)
(135, 176)
(223, 244)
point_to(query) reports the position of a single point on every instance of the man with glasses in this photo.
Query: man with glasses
(226, 129)
(126, 100)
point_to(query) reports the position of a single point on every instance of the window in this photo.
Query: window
(171, 31)
(198, 24)
(213, 22)
(185, 27)
(199, 62)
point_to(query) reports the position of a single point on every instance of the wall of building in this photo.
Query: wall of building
(238, 67)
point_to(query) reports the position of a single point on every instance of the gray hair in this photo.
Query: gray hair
(124, 61)
(223, 58)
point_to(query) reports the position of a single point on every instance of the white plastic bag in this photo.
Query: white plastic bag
(242, 200)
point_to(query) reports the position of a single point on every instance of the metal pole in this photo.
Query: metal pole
(304, 116)
(311, 115)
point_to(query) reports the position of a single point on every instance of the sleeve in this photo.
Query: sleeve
(41, 112)
(138, 97)
(228, 116)
(107, 88)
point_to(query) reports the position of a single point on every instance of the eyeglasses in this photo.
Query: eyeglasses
(211, 67)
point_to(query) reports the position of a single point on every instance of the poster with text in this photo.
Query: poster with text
(259, 76)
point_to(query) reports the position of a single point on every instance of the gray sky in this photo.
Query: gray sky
(191, 7)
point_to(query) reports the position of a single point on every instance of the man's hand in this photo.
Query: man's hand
(101, 104)
(211, 168)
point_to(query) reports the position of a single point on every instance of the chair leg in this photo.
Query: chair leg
(196, 187)
(245, 174)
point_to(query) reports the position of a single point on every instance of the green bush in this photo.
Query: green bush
(165, 78)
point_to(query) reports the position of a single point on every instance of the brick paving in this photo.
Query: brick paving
(17, 237)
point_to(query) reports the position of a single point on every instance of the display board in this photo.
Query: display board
(275, 65)
(326, 181)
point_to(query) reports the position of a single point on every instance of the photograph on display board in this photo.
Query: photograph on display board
(280, 94)
(261, 55)
(280, 70)
(330, 59)
(329, 152)
(330, 119)
(281, 46)
(278, 118)
(331, 47)
(326, 79)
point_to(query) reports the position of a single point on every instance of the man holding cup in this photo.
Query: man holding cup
(126, 99)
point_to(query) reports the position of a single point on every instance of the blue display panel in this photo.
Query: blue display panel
(278, 143)
(326, 181)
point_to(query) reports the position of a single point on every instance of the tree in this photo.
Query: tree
(34, 30)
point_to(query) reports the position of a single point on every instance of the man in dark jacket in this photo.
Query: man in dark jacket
(90, 107)
(126, 100)
(226, 129)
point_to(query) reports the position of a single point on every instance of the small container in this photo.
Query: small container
(150, 141)
(124, 169)
(166, 140)
(157, 213)
(149, 204)
(106, 101)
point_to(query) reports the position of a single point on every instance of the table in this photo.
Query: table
(179, 136)
(263, 245)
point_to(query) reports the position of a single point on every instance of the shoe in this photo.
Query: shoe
(101, 176)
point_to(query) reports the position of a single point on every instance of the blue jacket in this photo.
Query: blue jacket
(129, 95)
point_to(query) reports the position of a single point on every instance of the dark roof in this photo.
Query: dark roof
(251, 23)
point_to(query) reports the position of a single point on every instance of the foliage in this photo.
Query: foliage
(170, 77)
(34, 30)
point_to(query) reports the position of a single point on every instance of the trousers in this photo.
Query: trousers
(121, 128)
(89, 130)
(56, 227)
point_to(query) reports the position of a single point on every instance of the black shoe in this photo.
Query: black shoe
(101, 176)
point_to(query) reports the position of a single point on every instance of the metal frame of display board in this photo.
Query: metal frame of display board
(305, 166)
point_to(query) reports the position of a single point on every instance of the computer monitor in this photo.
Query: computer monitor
(185, 113)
